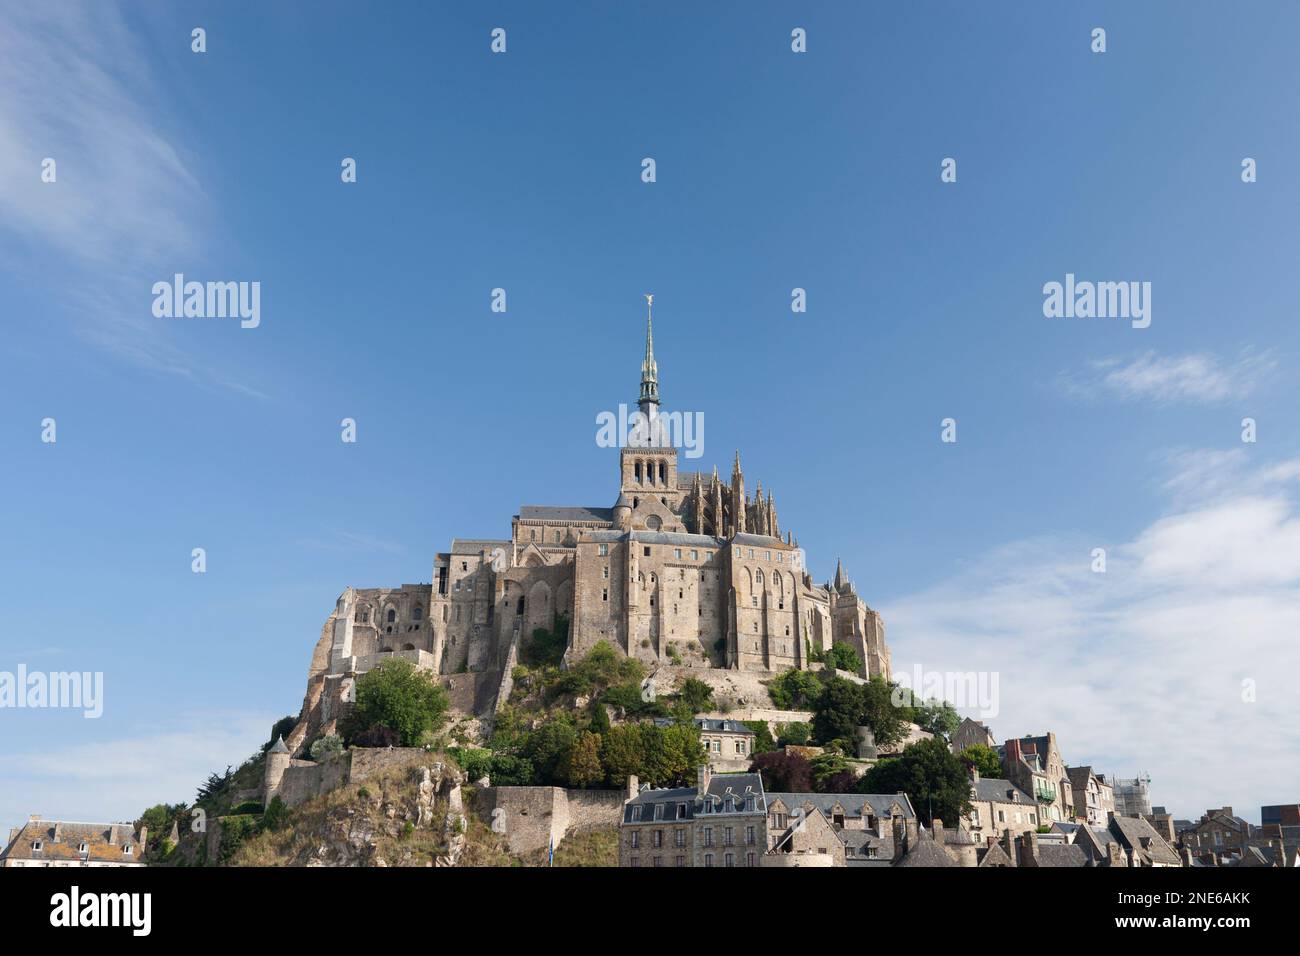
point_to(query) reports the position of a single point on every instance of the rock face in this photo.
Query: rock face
(393, 820)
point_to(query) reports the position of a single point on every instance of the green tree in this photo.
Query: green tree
(932, 776)
(281, 728)
(622, 753)
(883, 712)
(580, 765)
(672, 754)
(838, 711)
(937, 717)
(763, 742)
(796, 733)
(599, 718)
(697, 695)
(547, 745)
(401, 697)
(795, 690)
(984, 759)
(842, 657)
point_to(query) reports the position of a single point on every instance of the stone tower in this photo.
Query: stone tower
(277, 762)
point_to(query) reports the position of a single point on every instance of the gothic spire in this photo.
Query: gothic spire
(649, 369)
(839, 575)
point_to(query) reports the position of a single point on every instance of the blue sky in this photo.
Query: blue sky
(774, 171)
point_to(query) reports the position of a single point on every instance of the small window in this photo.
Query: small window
(695, 555)
(36, 846)
(678, 554)
(604, 550)
(418, 612)
(392, 615)
(647, 551)
(604, 572)
(604, 594)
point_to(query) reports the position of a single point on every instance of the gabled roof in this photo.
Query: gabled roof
(565, 513)
(1137, 835)
(852, 803)
(71, 837)
(995, 856)
(997, 790)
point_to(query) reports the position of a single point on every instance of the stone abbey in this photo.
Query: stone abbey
(685, 570)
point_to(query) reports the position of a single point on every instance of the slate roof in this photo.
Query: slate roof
(659, 537)
(925, 852)
(712, 724)
(995, 856)
(1062, 854)
(857, 842)
(767, 541)
(71, 837)
(996, 790)
(565, 513)
(476, 545)
(851, 802)
(1136, 834)
(686, 803)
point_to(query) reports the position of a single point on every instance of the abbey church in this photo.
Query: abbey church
(684, 570)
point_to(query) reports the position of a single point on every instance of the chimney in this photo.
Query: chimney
(937, 824)
(13, 835)
(1009, 846)
(900, 838)
(702, 777)
(974, 774)
(112, 834)
(633, 785)
(34, 818)
(144, 835)
(1186, 854)
(1029, 848)
(58, 833)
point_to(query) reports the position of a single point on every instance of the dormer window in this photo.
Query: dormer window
(126, 850)
(84, 848)
(36, 846)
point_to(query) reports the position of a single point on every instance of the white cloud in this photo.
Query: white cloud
(1167, 379)
(117, 779)
(1141, 668)
(126, 210)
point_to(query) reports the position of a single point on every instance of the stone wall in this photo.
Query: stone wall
(304, 779)
(532, 817)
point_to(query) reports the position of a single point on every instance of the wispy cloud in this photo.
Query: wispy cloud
(76, 87)
(1199, 378)
(1142, 668)
(118, 778)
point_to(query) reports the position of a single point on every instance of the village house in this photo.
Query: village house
(60, 843)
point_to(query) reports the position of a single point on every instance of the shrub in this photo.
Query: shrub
(328, 746)
(400, 697)
(696, 694)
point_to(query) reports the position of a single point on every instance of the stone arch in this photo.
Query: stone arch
(564, 598)
(540, 608)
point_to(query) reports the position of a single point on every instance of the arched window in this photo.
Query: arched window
(758, 577)
(663, 473)
(408, 647)
(392, 615)
(418, 613)
(519, 608)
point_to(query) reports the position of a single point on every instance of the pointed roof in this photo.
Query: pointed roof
(278, 747)
(840, 579)
(649, 370)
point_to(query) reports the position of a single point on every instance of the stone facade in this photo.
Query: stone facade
(683, 569)
(1094, 798)
(1034, 764)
